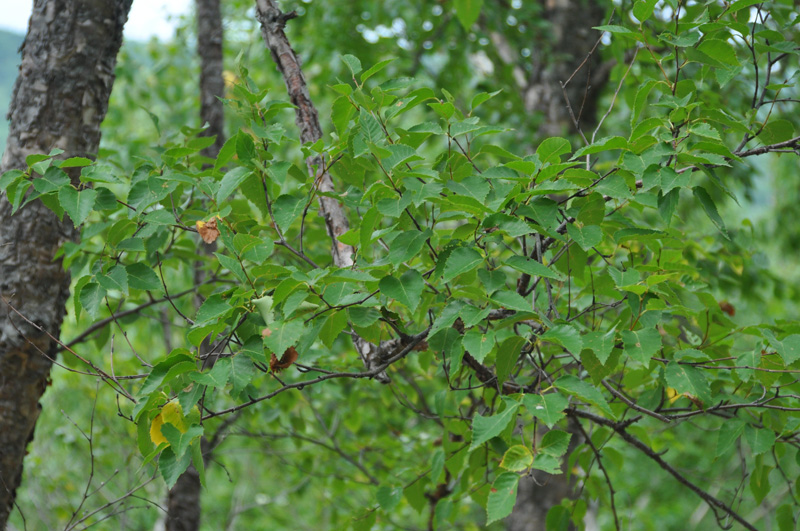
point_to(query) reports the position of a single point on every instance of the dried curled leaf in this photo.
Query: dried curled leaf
(208, 230)
(727, 307)
(289, 357)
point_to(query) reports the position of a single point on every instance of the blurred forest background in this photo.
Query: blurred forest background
(274, 471)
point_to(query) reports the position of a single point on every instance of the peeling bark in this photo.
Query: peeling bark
(59, 100)
(273, 22)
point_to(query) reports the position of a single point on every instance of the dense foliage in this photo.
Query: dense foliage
(584, 306)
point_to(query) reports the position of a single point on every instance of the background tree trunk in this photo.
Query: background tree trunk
(556, 56)
(183, 500)
(59, 100)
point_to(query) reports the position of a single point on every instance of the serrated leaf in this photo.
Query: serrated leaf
(584, 391)
(555, 443)
(517, 458)
(600, 343)
(352, 63)
(91, 296)
(286, 209)
(216, 377)
(231, 181)
(760, 440)
(548, 408)
(460, 261)
(710, 209)
(478, 344)
(587, 236)
(283, 335)
(406, 290)
(485, 428)
(788, 348)
(641, 345)
(502, 497)
(77, 204)
(388, 497)
(212, 308)
(688, 379)
(179, 440)
(728, 434)
(172, 467)
(407, 245)
(141, 276)
(566, 336)
(532, 267)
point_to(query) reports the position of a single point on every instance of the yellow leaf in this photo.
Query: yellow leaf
(171, 413)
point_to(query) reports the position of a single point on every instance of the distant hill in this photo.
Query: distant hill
(9, 66)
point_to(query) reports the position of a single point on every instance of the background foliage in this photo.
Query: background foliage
(661, 272)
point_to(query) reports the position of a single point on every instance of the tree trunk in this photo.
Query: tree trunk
(183, 500)
(59, 100)
(212, 84)
(559, 53)
(557, 56)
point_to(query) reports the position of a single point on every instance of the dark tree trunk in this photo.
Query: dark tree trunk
(59, 100)
(557, 55)
(212, 84)
(557, 52)
(183, 500)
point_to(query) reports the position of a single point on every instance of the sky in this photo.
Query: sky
(147, 17)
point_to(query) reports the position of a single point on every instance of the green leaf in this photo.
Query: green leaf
(711, 209)
(532, 267)
(407, 245)
(283, 335)
(566, 336)
(759, 440)
(92, 295)
(584, 391)
(216, 377)
(555, 443)
(641, 345)
(141, 276)
(405, 290)
(179, 441)
(643, 9)
(374, 69)
(286, 209)
(551, 149)
(352, 63)
(242, 372)
(389, 497)
(517, 458)
(512, 301)
(115, 279)
(485, 428)
(212, 308)
(467, 12)
(728, 434)
(231, 181)
(788, 348)
(507, 355)
(600, 343)
(461, 260)
(332, 327)
(549, 408)
(688, 379)
(587, 236)
(502, 497)
(77, 204)
(478, 344)
(171, 467)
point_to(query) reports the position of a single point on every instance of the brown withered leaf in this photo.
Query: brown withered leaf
(727, 307)
(208, 230)
(289, 357)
